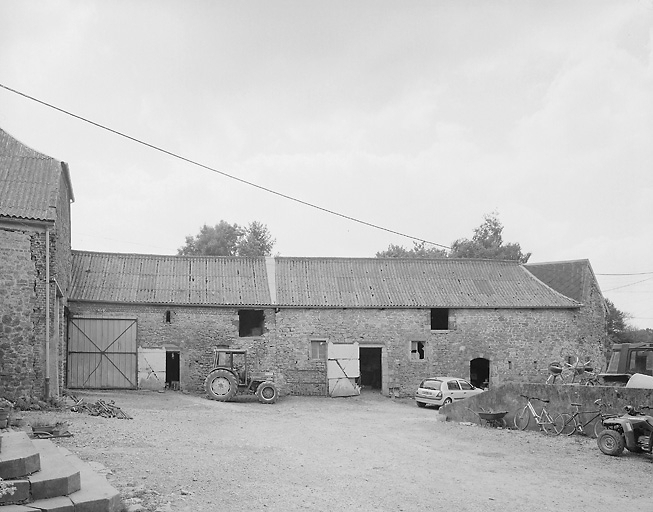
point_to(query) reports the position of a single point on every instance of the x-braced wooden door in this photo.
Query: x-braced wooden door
(102, 353)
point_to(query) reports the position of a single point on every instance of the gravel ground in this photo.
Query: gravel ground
(186, 453)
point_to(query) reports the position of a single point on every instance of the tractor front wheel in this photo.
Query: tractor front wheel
(267, 393)
(221, 385)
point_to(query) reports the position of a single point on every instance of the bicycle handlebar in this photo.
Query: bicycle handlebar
(535, 398)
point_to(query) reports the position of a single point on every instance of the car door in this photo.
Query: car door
(454, 390)
(466, 388)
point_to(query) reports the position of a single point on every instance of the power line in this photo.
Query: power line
(626, 285)
(633, 274)
(222, 173)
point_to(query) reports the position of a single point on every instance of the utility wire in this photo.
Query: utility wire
(634, 274)
(194, 162)
(626, 285)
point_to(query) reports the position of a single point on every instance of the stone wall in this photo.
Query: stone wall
(20, 319)
(193, 330)
(519, 344)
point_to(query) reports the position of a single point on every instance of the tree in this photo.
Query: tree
(419, 250)
(487, 243)
(617, 324)
(226, 239)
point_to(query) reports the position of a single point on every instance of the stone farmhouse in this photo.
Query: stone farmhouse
(321, 324)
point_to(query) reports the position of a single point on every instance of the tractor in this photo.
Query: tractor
(231, 374)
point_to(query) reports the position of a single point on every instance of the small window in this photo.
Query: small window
(417, 350)
(453, 385)
(318, 349)
(440, 319)
(250, 322)
(168, 316)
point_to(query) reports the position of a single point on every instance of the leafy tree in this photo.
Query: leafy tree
(226, 239)
(419, 250)
(487, 243)
(617, 324)
(256, 241)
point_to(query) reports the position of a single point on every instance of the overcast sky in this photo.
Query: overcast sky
(417, 116)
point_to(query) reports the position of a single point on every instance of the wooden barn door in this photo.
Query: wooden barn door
(343, 369)
(102, 353)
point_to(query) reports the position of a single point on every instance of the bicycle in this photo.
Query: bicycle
(543, 419)
(568, 424)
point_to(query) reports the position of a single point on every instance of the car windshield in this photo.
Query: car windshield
(431, 384)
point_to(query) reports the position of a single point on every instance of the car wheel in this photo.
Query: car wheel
(611, 442)
(221, 385)
(420, 404)
(447, 401)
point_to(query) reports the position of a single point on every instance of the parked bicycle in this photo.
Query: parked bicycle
(579, 421)
(543, 418)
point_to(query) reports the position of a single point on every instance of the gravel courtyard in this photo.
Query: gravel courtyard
(186, 453)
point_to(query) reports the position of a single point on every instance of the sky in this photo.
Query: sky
(419, 117)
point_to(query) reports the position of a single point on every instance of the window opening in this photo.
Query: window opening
(417, 350)
(168, 316)
(250, 322)
(440, 319)
(318, 349)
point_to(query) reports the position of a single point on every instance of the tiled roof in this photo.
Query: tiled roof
(309, 282)
(393, 282)
(571, 278)
(29, 181)
(137, 278)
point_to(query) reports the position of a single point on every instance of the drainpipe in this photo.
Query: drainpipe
(47, 313)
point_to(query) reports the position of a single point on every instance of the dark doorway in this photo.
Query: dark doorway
(479, 372)
(172, 370)
(370, 365)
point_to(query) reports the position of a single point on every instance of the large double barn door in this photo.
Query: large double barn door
(102, 353)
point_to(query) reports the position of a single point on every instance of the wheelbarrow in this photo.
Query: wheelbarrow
(490, 418)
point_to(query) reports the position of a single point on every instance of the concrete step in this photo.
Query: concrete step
(64, 483)
(19, 457)
(57, 476)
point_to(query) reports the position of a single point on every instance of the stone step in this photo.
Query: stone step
(19, 456)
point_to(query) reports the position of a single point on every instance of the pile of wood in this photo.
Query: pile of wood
(100, 408)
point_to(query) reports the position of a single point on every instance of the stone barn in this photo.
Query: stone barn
(35, 263)
(326, 326)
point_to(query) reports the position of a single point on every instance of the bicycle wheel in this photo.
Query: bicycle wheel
(546, 423)
(522, 418)
(564, 424)
(598, 427)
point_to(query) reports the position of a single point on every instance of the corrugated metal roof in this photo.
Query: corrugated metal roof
(393, 282)
(571, 278)
(29, 181)
(309, 282)
(137, 278)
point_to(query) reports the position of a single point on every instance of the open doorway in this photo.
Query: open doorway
(172, 369)
(370, 367)
(479, 372)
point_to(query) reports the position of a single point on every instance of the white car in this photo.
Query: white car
(440, 391)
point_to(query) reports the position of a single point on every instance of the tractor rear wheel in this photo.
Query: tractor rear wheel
(267, 393)
(221, 385)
